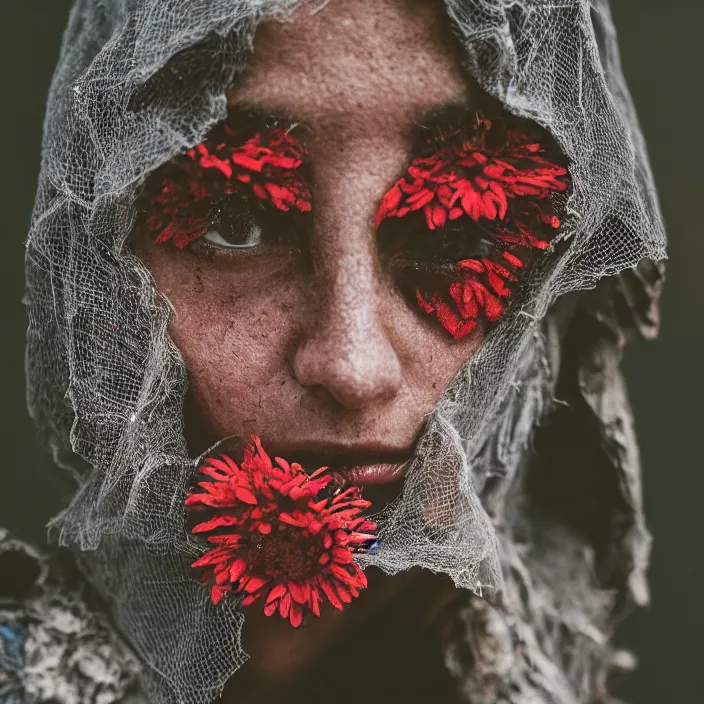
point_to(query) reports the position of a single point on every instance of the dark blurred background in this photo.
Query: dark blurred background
(661, 45)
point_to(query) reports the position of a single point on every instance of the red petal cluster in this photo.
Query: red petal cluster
(282, 536)
(264, 165)
(503, 179)
(473, 178)
(470, 299)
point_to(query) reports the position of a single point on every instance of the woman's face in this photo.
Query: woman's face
(314, 348)
(360, 226)
(307, 340)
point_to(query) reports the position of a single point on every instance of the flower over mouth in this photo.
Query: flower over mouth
(282, 536)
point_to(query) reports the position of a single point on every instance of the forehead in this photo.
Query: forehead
(373, 63)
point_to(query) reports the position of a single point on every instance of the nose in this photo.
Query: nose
(347, 350)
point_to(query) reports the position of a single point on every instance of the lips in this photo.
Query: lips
(374, 473)
(368, 466)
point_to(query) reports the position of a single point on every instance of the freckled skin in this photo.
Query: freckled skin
(308, 349)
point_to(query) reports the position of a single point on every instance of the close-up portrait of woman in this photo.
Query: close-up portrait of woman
(325, 304)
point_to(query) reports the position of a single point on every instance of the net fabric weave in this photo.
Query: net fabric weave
(139, 81)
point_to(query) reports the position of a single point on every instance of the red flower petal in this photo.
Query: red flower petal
(435, 215)
(342, 556)
(344, 595)
(423, 303)
(472, 203)
(297, 593)
(447, 317)
(490, 210)
(255, 583)
(289, 557)
(285, 605)
(472, 264)
(315, 601)
(245, 495)
(296, 615)
(329, 593)
(391, 198)
(237, 569)
(420, 199)
(410, 187)
(497, 284)
(210, 558)
(247, 162)
(493, 310)
(513, 260)
(464, 328)
(217, 522)
(361, 577)
(343, 575)
(276, 593)
(218, 593)
(212, 161)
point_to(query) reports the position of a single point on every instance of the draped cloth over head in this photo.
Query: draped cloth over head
(140, 81)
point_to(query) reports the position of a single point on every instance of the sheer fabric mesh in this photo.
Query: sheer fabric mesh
(139, 81)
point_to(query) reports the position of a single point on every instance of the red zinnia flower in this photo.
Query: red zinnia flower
(264, 165)
(501, 176)
(474, 178)
(283, 536)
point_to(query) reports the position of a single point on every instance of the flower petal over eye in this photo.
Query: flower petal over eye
(503, 184)
(264, 165)
(435, 215)
(208, 160)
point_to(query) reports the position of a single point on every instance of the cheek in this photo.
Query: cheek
(238, 328)
(436, 365)
(429, 356)
(234, 328)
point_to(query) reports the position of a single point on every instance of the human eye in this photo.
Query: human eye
(245, 238)
(462, 228)
(239, 191)
(241, 233)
